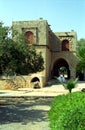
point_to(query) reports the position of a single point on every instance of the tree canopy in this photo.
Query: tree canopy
(81, 54)
(81, 42)
(17, 56)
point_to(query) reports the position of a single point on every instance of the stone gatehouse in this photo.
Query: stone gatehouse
(58, 49)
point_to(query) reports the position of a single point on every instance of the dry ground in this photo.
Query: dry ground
(24, 113)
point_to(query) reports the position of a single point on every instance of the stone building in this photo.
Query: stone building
(58, 49)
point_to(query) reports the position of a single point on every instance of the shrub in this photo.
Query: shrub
(69, 85)
(68, 112)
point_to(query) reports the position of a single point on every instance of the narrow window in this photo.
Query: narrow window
(30, 37)
(65, 45)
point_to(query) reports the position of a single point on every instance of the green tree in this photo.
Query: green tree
(17, 56)
(4, 46)
(81, 42)
(81, 54)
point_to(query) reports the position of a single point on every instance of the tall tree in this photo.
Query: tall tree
(4, 45)
(30, 61)
(81, 54)
(81, 42)
(18, 56)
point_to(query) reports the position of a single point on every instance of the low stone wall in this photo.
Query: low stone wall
(2, 84)
(15, 82)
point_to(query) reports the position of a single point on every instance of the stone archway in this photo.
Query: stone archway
(57, 68)
(35, 82)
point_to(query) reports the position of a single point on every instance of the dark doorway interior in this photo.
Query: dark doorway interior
(61, 66)
(35, 82)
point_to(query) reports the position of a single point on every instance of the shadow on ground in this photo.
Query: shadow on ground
(24, 110)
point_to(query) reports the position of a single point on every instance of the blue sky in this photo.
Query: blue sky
(62, 15)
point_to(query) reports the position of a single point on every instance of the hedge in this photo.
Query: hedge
(68, 112)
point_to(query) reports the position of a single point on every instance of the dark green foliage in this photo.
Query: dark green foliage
(31, 61)
(81, 42)
(70, 84)
(68, 112)
(17, 56)
(81, 55)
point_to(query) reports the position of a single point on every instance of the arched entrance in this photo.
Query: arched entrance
(35, 82)
(61, 66)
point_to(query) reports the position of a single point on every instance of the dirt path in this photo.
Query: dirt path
(24, 113)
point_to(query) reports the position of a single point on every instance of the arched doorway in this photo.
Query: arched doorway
(61, 66)
(35, 82)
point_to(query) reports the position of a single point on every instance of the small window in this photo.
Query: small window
(65, 45)
(30, 36)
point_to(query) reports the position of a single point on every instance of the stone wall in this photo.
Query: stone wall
(16, 82)
(50, 44)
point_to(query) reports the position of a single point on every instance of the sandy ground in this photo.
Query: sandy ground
(48, 91)
(24, 113)
(27, 109)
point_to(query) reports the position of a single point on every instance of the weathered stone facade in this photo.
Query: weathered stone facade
(58, 49)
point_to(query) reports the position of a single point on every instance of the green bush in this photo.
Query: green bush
(68, 112)
(69, 85)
